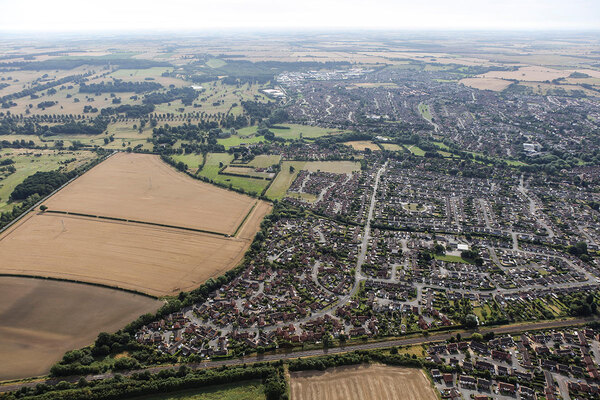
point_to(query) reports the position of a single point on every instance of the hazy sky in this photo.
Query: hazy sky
(132, 15)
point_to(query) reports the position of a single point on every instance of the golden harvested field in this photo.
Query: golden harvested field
(41, 320)
(494, 84)
(142, 187)
(529, 73)
(364, 382)
(361, 145)
(149, 259)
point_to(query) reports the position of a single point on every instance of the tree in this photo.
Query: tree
(43, 207)
(470, 321)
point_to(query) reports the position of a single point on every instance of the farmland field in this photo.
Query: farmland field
(149, 259)
(40, 320)
(364, 382)
(362, 145)
(235, 391)
(494, 84)
(141, 187)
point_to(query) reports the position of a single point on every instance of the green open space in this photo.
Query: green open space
(234, 391)
(28, 162)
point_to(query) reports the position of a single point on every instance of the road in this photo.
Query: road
(439, 337)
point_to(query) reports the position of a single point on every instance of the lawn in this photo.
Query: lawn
(234, 391)
(452, 259)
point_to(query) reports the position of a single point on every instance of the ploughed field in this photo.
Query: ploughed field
(364, 382)
(142, 187)
(40, 320)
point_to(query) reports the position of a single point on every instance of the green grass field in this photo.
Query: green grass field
(391, 146)
(284, 179)
(452, 259)
(211, 171)
(234, 391)
(27, 163)
(417, 151)
(425, 113)
(193, 161)
(265, 161)
(237, 140)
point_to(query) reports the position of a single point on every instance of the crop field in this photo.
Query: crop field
(40, 320)
(494, 84)
(149, 259)
(364, 382)
(234, 391)
(362, 145)
(529, 73)
(285, 177)
(142, 187)
(28, 162)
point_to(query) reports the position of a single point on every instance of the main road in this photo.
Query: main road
(411, 341)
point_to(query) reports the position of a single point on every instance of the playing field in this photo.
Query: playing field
(149, 259)
(41, 320)
(142, 187)
(364, 382)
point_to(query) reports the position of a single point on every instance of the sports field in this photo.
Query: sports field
(41, 320)
(142, 187)
(364, 382)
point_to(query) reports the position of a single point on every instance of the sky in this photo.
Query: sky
(202, 15)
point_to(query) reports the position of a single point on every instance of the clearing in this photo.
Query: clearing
(364, 382)
(40, 320)
(253, 390)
